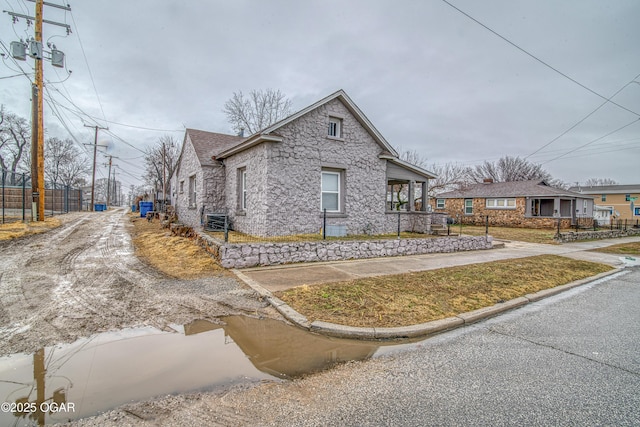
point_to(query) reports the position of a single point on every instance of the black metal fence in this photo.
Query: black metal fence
(16, 200)
(396, 226)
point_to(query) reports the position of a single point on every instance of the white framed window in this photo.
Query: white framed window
(331, 184)
(242, 189)
(181, 187)
(439, 203)
(468, 206)
(192, 191)
(501, 203)
(335, 127)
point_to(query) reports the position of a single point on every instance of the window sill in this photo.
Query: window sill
(335, 215)
(241, 213)
(335, 138)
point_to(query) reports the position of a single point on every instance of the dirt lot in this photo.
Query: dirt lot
(82, 278)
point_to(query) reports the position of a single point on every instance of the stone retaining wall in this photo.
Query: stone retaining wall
(572, 236)
(243, 255)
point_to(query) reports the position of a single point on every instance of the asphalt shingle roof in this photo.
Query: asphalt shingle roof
(509, 189)
(209, 144)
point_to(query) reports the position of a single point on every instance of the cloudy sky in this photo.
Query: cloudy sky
(429, 78)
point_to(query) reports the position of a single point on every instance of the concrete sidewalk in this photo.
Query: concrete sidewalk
(266, 280)
(278, 278)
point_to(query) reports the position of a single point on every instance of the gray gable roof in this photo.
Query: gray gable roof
(607, 189)
(210, 144)
(534, 188)
(269, 134)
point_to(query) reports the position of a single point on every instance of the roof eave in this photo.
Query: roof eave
(251, 142)
(413, 168)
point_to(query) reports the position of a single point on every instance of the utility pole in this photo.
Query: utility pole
(109, 182)
(164, 185)
(37, 131)
(93, 176)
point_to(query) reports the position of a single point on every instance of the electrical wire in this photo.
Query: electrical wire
(87, 63)
(539, 60)
(591, 142)
(584, 118)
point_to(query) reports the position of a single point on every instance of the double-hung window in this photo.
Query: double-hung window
(242, 189)
(192, 191)
(468, 206)
(335, 127)
(439, 203)
(331, 191)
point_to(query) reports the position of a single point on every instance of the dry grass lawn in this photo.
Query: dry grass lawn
(174, 256)
(632, 248)
(14, 230)
(530, 235)
(414, 298)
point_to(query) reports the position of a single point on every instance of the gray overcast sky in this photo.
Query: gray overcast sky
(429, 78)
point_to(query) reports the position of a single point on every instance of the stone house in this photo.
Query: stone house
(326, 165)
(527, 204)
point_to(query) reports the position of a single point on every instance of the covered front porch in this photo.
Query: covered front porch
(407, 187)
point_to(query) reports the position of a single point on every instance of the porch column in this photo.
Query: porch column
(425, 197)
(412, 196)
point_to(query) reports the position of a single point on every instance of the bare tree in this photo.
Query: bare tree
(507, 169)
(449, 176)
(594, 182)
(259, 110)
(15, 140)
(161, 161)
(64, 163)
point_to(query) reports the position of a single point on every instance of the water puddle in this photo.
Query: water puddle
(68, 382)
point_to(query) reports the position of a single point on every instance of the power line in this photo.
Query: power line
(87, 63)
(591, 142)
(584, 118)
(539, 60)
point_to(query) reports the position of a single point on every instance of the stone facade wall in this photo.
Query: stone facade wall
(210, 188)
(497, 217)
(286, 198)
(254, 219)
(572, 236)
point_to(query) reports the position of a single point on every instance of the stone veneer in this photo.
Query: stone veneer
(284, 178)
(572, 236)
(498, 217)
(234, 255)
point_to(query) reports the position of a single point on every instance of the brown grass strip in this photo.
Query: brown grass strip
(413, 298)
(174, 256)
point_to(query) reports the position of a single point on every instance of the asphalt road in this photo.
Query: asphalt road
(573, 359)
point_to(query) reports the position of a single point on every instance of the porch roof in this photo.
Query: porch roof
(399, 171)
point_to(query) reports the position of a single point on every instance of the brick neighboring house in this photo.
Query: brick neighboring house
(622, 201)
(527, 204)
(281, 179)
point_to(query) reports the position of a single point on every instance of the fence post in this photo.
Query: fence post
(486, 225)
(226, 229)
(398, 224)
(324, 223)
(559, 220)
(4, 177)
(24, 196)
(625, 224)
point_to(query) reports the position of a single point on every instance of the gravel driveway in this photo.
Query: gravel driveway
(83, 278)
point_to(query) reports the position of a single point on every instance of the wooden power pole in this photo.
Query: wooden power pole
(36, 51)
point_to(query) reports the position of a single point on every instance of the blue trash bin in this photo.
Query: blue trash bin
(145, 207)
